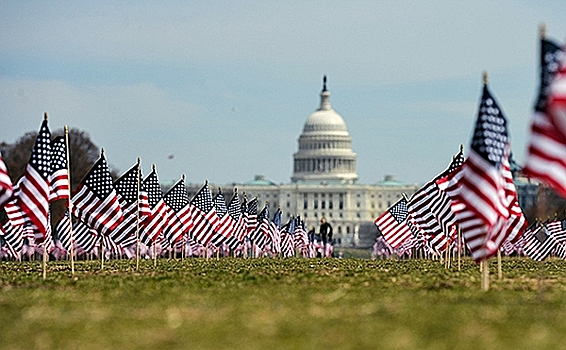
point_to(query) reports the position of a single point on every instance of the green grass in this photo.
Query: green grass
(282, 304)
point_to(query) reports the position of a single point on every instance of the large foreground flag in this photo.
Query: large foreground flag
(95, 201)
(392, 224)
(482, 190)
(34, 189)
(546, 154)
(6, 188)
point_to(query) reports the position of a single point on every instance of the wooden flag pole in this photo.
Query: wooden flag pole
(459, 247)
(69, 202)
(154, 254)
(45, 258)
(485, 275)
(101, 252)
(138, 218)
(499, 269)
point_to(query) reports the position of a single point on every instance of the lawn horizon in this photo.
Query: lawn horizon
(233, 303)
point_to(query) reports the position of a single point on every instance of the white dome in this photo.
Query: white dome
(325, 147)
(325, 118)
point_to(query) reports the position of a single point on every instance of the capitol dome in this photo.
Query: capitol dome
(325, 147)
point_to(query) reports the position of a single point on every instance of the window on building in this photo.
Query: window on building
(330, 205)
(288, 204)
(347, 229)
(315, 204)
(322, 204)
(358, 204)
(305, 204)
(341, 205)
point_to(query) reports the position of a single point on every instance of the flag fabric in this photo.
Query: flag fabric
(392, 224)
(59, 177)
(252, 216)
(128, 190)
(546, 153)
(275, 232)
(204, 220)
(95, 201)
(228, 216)
(6, 189)
(13, 211)
(301, 239)
(287, 239)
(14, 238)
(482, 190)
(34, 189)
(84, 236)
(259, 236)
(152, 224)
(63, 231)
(241, 227)
(175, 200)
(539, 243)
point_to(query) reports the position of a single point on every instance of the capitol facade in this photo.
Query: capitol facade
(325, 182)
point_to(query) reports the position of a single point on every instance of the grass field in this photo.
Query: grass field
(282, 304)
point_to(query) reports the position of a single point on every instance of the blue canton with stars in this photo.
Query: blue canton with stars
(127, 185)
(177, 197)
(58, 154)
(220, 204)
(41, 154)
(399, 211)
(151, 185)
(99, 179)
(490, 135)
(203, 199)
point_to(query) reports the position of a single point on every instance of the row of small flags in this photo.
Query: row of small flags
(477, 194)
(132, 216)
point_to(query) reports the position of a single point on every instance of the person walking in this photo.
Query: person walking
(326, 236)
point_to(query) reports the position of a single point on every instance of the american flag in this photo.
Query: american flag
(557, 229)
(430, 207)
(84, 237)
(275, 232)
(259, 236)
(392, 224)
(287, 238)
(539, 243)
(6, 189)
(34, 190)
(59, 177)
(95, 201)
(204, 220)
(14, 237)
(546, 155)
(128, 189)
(252, 216)
(301, 238)
(241, 227)
(175, 200)
(228, 217)
(482, 189)
(13, 211)
(153, 224)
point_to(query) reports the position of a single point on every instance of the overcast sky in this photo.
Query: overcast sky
(220, 90)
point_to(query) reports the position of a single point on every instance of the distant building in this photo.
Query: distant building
(325, 182)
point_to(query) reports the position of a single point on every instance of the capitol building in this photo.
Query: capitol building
(325, 182)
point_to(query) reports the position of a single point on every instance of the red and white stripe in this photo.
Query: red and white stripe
(6, 189)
